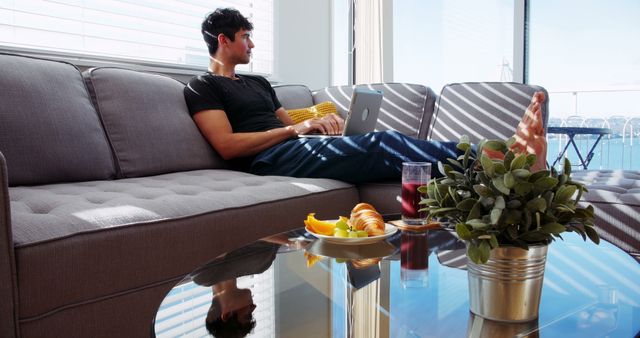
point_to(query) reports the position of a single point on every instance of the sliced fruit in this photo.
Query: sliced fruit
(341, 233)
(362, 233)
(319, 227)
(311, 259)
(353, 234)
(342, 223)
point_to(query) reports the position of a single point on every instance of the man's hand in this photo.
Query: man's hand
(330, 124)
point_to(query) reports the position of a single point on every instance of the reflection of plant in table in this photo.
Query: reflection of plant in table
(500, 202)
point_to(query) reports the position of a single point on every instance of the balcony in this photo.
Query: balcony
(620, 112)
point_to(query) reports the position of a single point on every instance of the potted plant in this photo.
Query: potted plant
(507, 215)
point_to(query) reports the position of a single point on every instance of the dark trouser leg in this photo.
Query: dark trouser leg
(363, 158)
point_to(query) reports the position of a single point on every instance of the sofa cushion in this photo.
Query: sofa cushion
(406, 108)
(482, 110)
(148, 124)
(385, 196)
(293, 96)
(615, 195)
(49, 130)
(48, 212)
(83, 242)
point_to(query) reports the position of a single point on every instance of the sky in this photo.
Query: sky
(574, 45)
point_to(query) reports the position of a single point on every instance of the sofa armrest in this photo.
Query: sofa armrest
(8, 280)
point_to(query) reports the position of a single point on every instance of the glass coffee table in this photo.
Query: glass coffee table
(409, 285)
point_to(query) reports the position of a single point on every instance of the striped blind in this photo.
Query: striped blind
(139, 31)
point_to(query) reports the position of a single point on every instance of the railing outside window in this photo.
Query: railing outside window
(618, 150)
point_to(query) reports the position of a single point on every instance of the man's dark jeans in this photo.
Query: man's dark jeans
(364, 158)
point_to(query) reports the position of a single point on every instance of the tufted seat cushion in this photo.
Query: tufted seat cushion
(96, 231)
(615, 194)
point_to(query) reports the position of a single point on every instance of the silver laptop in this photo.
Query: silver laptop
(362, 115)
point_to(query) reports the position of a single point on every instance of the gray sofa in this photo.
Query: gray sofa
(109, 194)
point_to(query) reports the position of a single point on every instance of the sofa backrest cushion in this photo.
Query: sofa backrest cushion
(148, 124)
(406, 108)
(294, 96)
(49, 130)
(482, 110)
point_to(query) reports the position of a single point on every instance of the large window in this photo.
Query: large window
(585, 53)
(165, 33)
(437, 42)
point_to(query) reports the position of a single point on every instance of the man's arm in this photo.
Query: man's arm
(330, 124)
(216, 128)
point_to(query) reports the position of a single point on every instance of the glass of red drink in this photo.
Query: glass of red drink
(414, 175)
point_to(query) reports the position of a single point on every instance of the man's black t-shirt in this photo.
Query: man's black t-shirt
(249, 102)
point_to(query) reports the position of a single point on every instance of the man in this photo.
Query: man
(243, 120)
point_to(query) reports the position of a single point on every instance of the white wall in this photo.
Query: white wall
(302, 49)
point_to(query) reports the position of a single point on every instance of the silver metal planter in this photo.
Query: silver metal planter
(507, 288)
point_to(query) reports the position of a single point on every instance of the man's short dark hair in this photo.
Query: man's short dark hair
(227, 21)
(232, 328)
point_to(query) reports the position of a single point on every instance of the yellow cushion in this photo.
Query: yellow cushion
(319, 110)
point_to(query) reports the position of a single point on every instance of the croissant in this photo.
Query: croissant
(365, 217)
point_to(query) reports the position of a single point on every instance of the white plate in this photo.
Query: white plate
(388, 231)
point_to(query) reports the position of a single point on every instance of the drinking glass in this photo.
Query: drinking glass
(414, 175)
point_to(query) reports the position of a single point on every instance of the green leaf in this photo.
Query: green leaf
(508, 158)
(473, 252)
(513, 204)
(455, 163)
(566, 167)
(475, 212)
(467, 204)
(548, 196)
(498, 182)
(537, 204)
(463, 146)
(487, 165)
(485, 251)
(463, 232)
(519, 162)
(428, 201)
(467, 155)
(553, 228)
(562, 179)
(527, 218)
(509, 180)
(477, 224)
(564, 193)
(539, 174)
(522, 174)
(487, 202)
(496, 145)
(545, 183)
(499, 204)
(531, 159)
(495, 215)
(454, 195)
(535, 237)
(441, 169)
(522, 188)
(593, 235)
(483, 191)
(493, 242)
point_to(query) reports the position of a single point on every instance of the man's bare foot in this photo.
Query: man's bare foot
(529, 134)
